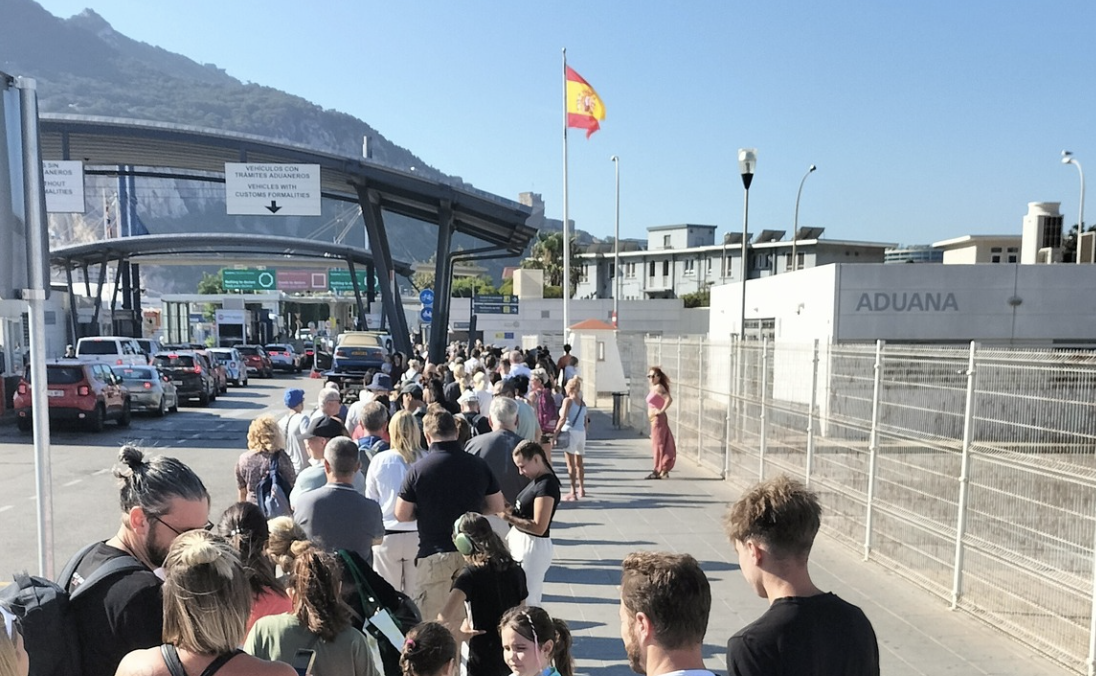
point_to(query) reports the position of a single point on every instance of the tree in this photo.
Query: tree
(701, 298)
(464, 286)
(547, 255)
(1069, 244)
(210, 284)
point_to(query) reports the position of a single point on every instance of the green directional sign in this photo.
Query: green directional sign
(339, 280)
(248, 279)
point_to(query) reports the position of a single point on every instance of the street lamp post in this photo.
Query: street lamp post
(747, 163)
(616, 246)
(795, 225)
(1068, 158)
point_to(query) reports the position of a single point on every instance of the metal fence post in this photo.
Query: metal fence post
(810, 415)
(964, 481)
(700, 400)
(873, 445)
(727, 434)
(680, 379)
(763, 444)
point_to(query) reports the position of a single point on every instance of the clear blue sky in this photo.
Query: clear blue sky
(927, 119)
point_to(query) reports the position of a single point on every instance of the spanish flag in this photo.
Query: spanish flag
(584, 106)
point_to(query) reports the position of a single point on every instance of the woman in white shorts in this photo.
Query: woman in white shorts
(574, 420)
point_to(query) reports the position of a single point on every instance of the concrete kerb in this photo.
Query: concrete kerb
(917, 633)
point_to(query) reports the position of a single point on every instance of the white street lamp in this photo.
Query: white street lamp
(616, 246)
(795, 225)
(1068, 158)
(747, 164)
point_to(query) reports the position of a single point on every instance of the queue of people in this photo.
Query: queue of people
(462, 529)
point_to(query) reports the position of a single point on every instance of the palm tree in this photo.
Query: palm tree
(547, 255)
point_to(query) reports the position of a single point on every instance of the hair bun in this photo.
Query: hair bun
(132, 457)
(198, 548)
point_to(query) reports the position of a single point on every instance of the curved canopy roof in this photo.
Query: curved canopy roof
(210, 248)
(111, 141)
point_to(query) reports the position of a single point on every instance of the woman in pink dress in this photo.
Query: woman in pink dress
(662, 440)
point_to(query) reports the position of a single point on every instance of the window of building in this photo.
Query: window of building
(1013, 254)
(585, 272)
(665, 268)
(690, 267)
(761, 261)
(652, 272)
(630, 270)
(799, 260)
(666, 241)
(612, 270)
(995, 254)
(709, 267)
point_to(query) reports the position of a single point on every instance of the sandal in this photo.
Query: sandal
(653, 475)
(664, 475)
(570, 497)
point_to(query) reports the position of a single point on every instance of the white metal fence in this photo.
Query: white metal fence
(969, 471)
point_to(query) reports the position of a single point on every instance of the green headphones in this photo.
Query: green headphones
(465, 545)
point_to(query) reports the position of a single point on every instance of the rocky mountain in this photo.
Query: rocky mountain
(83, 66)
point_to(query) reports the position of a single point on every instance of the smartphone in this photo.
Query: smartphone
(302, 662)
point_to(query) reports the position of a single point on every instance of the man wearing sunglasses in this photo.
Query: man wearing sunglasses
(161, 498)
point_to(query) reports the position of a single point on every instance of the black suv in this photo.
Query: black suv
(191, 372)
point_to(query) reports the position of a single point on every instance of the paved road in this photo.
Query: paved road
(917, 634)
(85, 504)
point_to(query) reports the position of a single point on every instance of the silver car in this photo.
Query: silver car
(233, 362)
(149, 390)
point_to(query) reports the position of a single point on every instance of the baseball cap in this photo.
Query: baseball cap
(381, 383)
(468, 395)
(293, 398)
(325, 427)
(412, 389)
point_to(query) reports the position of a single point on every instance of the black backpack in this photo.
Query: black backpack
(45, 609)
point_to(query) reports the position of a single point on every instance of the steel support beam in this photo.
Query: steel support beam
(443, 264)
(382, 259)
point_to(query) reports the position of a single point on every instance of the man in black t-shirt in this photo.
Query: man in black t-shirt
(805, 631)
(161, 498)
(437, 490)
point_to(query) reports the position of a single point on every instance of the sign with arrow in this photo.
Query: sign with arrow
(272, 189)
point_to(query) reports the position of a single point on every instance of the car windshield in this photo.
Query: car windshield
(253, 351)
(182, 361)
(135, 373)
(61, 375)
(221, 357)
(98, 347)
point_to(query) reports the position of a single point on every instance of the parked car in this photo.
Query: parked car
(150, 346)
(365, 338)
(234, 364)
(283, 357)
(78, 390)
(191, 373)
(308, 354)
(219, 370)
(258, 362)
(113, 350)
(149, 390)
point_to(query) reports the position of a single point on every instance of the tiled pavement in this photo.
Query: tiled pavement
(917, 633)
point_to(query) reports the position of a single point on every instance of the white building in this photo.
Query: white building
(683, 259)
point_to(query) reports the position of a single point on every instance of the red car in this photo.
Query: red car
(87, 392)
(258, 362)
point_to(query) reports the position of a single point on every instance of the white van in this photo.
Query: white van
(113, 350)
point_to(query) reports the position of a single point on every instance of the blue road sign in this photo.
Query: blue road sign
(426, 297)
(426, 314)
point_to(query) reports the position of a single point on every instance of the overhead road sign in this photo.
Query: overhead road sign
(426, 296)
(64, 184)
(426, 314)
(272, 189)
(302, 280)
(495, 305)
(339, 280)
(248, 279)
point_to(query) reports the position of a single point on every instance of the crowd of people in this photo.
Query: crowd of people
(435, 491)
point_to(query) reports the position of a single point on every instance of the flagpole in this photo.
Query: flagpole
(566, 235)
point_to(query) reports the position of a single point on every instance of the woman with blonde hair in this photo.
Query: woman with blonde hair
(394, 558)
(14, 660)
(265, 445)
(481, 385)
(284, 531)
(207, 600)
(574, 421)
(320, 621)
